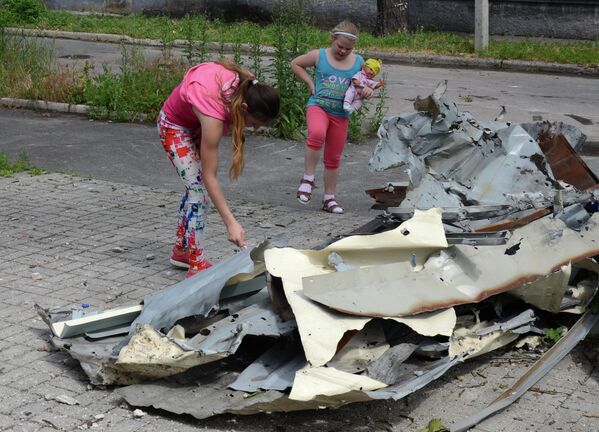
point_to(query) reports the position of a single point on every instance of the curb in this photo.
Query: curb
(389, 57)
(44, 105)
(41, 105)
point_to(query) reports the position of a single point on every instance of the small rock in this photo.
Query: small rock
(99, 416)
(265, 225)
(66, 400)
(138, 413)
(36, 276)
(117, 249)
(150, 257)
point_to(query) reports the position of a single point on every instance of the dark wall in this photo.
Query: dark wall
(324, 13)
(562, 19)
(574, 19)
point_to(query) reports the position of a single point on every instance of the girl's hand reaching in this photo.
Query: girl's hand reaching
(236, 234)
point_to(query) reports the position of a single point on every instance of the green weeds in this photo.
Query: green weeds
(435, 425)
(552, 335)
(23, 11)
(291, 41)
(21, 164)
(136, 92)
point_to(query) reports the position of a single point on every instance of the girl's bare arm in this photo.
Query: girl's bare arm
(212, 131)
(301, 63)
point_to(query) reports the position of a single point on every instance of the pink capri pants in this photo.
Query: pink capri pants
(327, 129)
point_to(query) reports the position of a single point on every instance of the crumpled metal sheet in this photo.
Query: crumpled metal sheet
(460, 164)
(321, 328)
(226, 335)
(454, 160)
(551, 292)
(312, 382)
(147, 353)
(273, 370)
(363, 348)
(457, 275)
(547, 292)
(150, 355)
(96, 359)
(573, 136)
(197, 295)
(405, 387)
(90, 323)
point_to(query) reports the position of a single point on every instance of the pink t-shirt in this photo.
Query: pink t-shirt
(208, 87)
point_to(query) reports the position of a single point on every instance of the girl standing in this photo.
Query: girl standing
(192, 121)
(328, 123)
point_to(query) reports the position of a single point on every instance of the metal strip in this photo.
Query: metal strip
(551, 358)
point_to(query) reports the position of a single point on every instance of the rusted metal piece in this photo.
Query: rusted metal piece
(515, 220)
(389, 196)
(565, 163)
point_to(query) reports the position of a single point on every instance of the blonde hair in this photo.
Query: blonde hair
(262, 102)
(345, 27)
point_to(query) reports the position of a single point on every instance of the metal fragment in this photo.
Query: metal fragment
(551, 358)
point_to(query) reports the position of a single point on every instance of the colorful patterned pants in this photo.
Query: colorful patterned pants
(181, 147)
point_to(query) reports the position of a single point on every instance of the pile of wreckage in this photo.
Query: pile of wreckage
(492, 235)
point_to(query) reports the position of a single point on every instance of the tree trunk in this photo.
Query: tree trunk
(392, 16)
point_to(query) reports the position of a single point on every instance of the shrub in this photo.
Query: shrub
(25, 11)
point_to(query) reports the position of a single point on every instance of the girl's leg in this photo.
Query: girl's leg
(335, 143)
(317, 121)
(180, 241)
(180, 147)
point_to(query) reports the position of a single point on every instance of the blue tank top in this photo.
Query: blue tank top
(330, 84)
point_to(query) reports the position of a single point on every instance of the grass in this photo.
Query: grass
(552, 335)
(20, 165)
(168, 29)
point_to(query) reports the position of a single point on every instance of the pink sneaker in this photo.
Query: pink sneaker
(180, 257)
(198, 267)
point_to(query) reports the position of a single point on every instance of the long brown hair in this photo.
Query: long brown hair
(262, 103)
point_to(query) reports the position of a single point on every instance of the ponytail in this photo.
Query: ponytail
(237, 136)
(262, 103)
